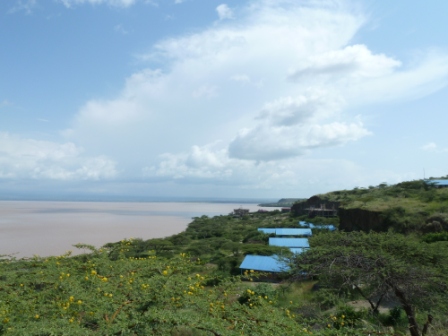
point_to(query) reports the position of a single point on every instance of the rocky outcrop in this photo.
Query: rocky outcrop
(353, 219)
(361, 220)
(315, 206)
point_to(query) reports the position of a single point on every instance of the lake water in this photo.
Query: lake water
(46, 228)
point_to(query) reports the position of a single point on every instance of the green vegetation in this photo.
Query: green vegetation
(348, 283)
(92, 295)
(382, 197)
(284, 202)
(413, 206)
(221, 240)
(382, 266)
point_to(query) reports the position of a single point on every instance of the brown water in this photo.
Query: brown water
(30, 228)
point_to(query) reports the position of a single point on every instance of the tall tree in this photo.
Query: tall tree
(380, 265)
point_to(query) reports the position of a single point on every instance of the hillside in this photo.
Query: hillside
(413, 206)
(190, 283)
(283, 202)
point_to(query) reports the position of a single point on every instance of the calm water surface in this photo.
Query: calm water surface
(51, 228)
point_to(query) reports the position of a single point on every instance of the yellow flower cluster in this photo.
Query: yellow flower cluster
(4, 313)
(339, 322)
(288, 313)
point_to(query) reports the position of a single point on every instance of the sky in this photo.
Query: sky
(234, 99)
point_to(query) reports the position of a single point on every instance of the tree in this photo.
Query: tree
(378, 265)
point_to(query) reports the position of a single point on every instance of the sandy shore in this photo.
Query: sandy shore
(51, 228)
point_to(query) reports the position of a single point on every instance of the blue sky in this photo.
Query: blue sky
(206, 98)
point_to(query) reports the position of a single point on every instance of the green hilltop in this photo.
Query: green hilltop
(283, 202)
(413, 206)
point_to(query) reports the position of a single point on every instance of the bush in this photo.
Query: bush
(94, 295)
(394, 317)
(347, 316)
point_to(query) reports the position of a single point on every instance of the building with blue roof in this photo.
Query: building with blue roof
(289, 242)
(267, 230)
(293, 232)
(318, 227)
(264, 264)
(438, 183)
(287, 231)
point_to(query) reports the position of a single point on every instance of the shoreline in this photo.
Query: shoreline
(45, 228)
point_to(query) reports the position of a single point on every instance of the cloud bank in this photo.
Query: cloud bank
(242, 102)
(27, 158)
(224, 12)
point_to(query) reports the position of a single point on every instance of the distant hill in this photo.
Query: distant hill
(284, 202)
(412, 206)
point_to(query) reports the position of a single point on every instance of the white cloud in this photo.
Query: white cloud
(290, 111)
(278, 82)
(199, 162)
(426, 76)
(292, 126)
(432, 147)
(28, 158)
(280, 142)
(211, 164)
(352, 61)
(224, 12)
(23, 5)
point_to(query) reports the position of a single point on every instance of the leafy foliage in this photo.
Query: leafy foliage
(92, 295)
(406, 207)
(380, 266)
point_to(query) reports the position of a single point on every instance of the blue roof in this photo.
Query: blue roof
(264, 264)
(293, 232)
(438, 182)
(267, 231)
(312, 226)
(287, 231)
(289, 242)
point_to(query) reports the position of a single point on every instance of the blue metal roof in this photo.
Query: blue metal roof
(289, 242)
(267, 231)
(287, 231)
(438, 182)
(325, 227)
(264, 264)
(317, 227)
(293, 232)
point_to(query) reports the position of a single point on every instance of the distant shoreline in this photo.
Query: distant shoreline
(121, 199)
(52, 227)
